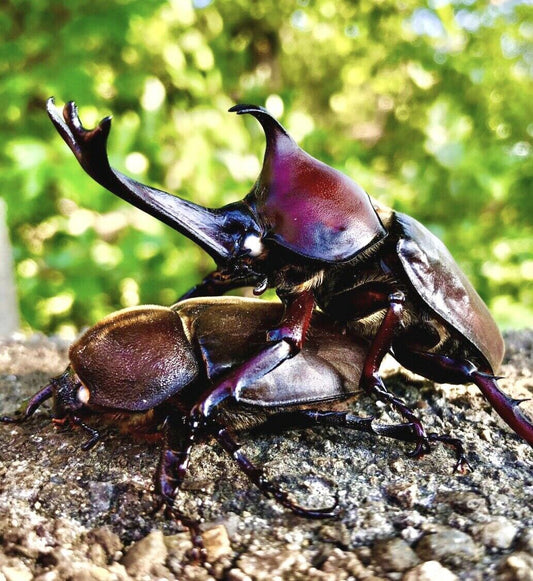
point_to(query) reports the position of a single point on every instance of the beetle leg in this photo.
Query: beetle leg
(217, 283)
(174, 460)
(506, 407)
(286, 340)
(94, 434)
(371, 380)
(405, 432)
(457, 371)
(268, 488)
(304, 418)
(462, 464)
(171, 471)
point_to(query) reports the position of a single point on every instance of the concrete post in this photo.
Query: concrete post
(9, 317)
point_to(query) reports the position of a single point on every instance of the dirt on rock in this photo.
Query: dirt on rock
(72, 515)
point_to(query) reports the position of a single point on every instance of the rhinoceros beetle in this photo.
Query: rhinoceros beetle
(144, 368)
(314, 235)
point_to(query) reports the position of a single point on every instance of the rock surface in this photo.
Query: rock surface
(70, 515)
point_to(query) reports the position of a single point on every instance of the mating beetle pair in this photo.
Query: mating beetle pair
(315, 236)
(383, 282)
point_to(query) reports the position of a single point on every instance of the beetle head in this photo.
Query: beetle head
(68, 393)
(224, 233)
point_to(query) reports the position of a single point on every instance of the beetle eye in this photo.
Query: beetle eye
(84, 394)
(252, 243)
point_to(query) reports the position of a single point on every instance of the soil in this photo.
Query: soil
(72, 515)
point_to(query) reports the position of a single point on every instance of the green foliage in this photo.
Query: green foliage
(425, 105)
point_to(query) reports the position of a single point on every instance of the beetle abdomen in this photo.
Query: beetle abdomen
(134, 359)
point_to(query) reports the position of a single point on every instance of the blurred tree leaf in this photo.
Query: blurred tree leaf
(425, 105)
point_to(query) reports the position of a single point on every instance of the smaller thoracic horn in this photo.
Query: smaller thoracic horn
(307, 206)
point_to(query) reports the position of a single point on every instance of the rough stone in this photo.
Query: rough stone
(525, 540)
(267, 564)
(516, 567)
(146, 555)
(465, 502)
(448, 545)
(429, 571)
(16, 573)
(405, 493)
(216, 543)
(496, 534)
(394, 555)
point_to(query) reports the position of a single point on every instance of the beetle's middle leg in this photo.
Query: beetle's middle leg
(267, 487)
(407, 432)
(371, 380)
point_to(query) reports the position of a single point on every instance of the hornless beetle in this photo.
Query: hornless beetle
(145, 368)
(318, 238)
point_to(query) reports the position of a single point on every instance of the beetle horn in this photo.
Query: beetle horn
(27, 410)
(309, 207)
(207, 227)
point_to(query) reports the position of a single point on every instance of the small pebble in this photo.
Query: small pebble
(429, 571)
(449, 546)
(405, 493)
(496, 534)
(516, 567)
(18, 573)
(145, 554)
(216, 542)
(525, 540)
(394, 555)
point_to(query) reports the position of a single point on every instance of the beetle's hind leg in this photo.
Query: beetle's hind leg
(257, 476)
(371, 380)
(406, 432)
(462, 371)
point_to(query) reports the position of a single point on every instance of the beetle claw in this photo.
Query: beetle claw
(422, 447)
(13, 419)
(462, 465)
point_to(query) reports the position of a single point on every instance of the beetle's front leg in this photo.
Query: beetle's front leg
(217, 283)
(28, 409)
(171, 470)
(285, 342)
(371, 380)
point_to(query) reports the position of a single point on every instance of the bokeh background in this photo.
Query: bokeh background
(427, 105)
